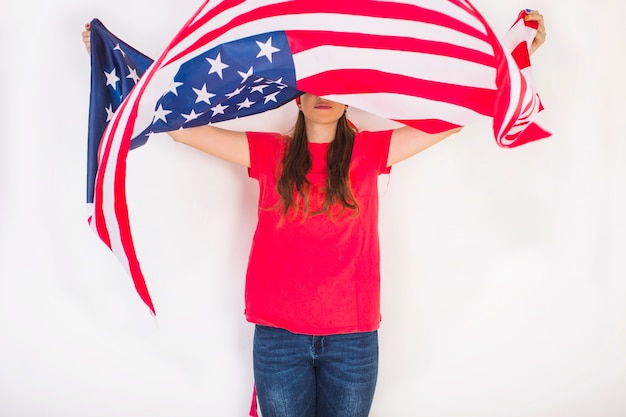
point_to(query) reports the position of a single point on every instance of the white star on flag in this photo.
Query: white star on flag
(110, 112)
(266, 49)
(118, 48)
(203, 95)
(132, 74)
(271, 97)
(258, 88)
(245, 104)
(160, 114)
(112, 78)
(217, 66)
(245, 75)
(219, 109)
(173, 88)
(234, 93)
(191, 116)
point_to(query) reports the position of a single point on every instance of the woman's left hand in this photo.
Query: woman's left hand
(540, 37)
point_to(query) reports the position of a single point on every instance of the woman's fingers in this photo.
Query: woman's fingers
(540, 37)
(87, 37)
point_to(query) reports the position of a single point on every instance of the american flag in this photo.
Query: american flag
(430, 64)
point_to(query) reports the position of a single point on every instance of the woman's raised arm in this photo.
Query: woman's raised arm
(229, 145)
(407, 141)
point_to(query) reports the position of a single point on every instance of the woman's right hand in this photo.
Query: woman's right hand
(87, 37)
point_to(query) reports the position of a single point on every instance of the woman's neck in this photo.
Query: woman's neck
(318, 133)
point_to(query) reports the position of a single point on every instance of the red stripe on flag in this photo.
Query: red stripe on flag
(355, 81)
(302, 40)
(429, 125)
(521, 56)
(121, 213)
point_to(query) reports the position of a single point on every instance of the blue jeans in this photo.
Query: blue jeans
(314, 376)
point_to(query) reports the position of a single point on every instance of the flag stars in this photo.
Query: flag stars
(110, 112)
(245, 75)
(173, 88)
(245, 104)
(118, 48)
(203, 95)
(266, 49)
(271, 97)
(258, 88)
(112, 78)
(160, 114)
(234, 93)
(279, 83)
(191, 116)
(219, 109)
(132, 74)
(217, 66)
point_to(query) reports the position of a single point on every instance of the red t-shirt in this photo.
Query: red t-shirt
(319, 276)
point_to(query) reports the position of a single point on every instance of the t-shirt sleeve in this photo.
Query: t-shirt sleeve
(377, 146)
(264, 152)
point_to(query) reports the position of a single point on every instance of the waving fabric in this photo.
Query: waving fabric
(431, 64)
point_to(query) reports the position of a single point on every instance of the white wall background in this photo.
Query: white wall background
(504, 290)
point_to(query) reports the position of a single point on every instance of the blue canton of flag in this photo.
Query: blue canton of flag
(115, 69)
(235, 79)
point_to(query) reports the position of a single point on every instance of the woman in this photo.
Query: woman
(312, 285)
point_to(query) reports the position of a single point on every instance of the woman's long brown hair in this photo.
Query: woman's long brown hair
(296, 163)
